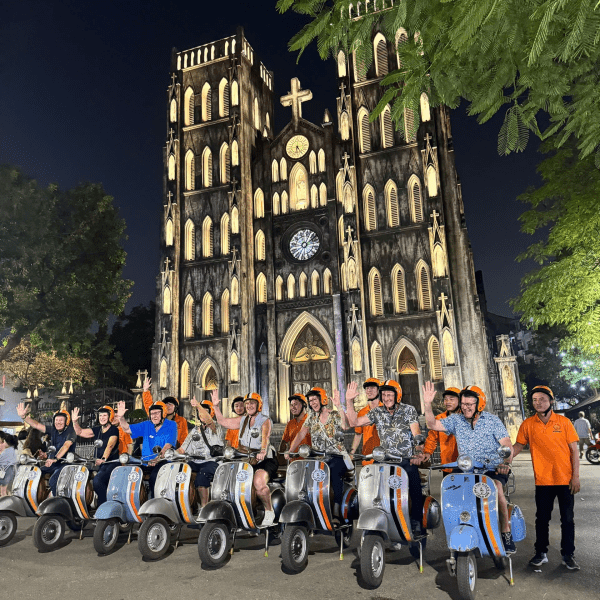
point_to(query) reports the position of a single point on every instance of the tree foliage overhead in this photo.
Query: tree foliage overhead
(532, 60)
(61, 262)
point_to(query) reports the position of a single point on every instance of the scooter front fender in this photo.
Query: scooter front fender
(13, 504)
(161, 507)
(56, 506)
(373, 519)
(112, 510)
(297, 511)
(464, 538)
(218, 510)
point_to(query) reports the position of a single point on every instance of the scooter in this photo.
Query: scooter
(471, 521)
(308, 509)
(72, 504)
(383, 497)
(592, 453)
(234, 508)
(30, 489)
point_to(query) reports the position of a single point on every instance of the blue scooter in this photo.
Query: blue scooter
(471, 520)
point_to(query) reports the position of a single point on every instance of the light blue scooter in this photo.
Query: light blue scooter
(471, 520)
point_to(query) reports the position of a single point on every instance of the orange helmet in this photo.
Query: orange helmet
(451, 391)
(544, 389)
(475, 392)
(256, 397)
(391, 386)
(62, 413)
(300, 397)
(158, 406)
(109, 410)
(208, 405)
(317, 391)
(372, 381)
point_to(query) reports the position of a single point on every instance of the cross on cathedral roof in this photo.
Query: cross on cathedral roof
(295, 99)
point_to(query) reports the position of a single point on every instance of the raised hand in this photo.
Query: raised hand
(121, 409)
(336, 399)
(146, 385)
(215, 398)
(351, 391)
(22, 410)
(75, 414)
(428, 392)
(194, 402)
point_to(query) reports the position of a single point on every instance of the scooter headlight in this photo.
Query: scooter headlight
(70, 457)
(23, 459)
(304, 451)
(124, 458)
(170, 454)
(229, 453)
(465, 463)
(379, 454)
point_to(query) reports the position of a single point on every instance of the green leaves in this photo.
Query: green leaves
(514, 133)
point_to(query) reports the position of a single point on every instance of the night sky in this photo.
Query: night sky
(83, 98)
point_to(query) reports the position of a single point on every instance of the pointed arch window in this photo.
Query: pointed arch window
(275, 170)
(341, 64)
(173, 111)
(314, 284)
(381, 55)
(224, 98)
(279, 288)
(267, 121)
(391, 201)
(259, 204)
(167, 300)
(377, 361)
(207, 315)
(348, 198)
(225, 163)
(448, 347)
(171, 167)
(376, 297)
(235, 291)
(235, 93)
(291, 287)
(387, 128)
(312, 162)
(260, 245)
(401, 37)
(185, 380)
(399, 290)
(235, 154)
(276, 204)
(410, 127)
(207, 238)
(343, 278)
(235, 220)
(206, 102)
(360, 67)
(314, 196)
(352, 274)
(163, 374)
(341, 231)
(188, 317)
(432, 181)
(369, 208)
(356, 357)
(283, 169)
(364, 131)
(435, 360)
(285, 205)
(234, 367)
(207, 170)
(438, 261)
(425, 109)
(424, 286)
(298, 187)
(169, 232)
(256, 114)
(261, 289)
(225, 311)
(323, 195)
(189, 104)
(415, 199)
(190, 171)
(189, 237)
(345, 126)
(327, 281)
(225, 238)
(321, 159)
(303, 281)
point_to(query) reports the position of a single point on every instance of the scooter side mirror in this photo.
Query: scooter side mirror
(98, 443)
(419, 439)
(504, 452)
(51, 449)
(196, 437)
(170, 454)
(339, 436)
(156, 449)
(254, 432)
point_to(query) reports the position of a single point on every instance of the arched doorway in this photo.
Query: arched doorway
(408, 375)
(310, 362)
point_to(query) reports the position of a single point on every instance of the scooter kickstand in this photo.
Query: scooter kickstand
(512, 581)
(233, 542)
(420, 556)
(177, 540)
(130, 532)
(267, 542)
(81, 532)
(341, 545)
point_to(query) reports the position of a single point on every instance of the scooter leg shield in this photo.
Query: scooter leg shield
(464, 538)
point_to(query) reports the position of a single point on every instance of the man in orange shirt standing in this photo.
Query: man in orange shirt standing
(232, 437)
(367, 433)
(298, 406)
(552, 441)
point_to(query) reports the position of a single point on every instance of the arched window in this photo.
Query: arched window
(345, 126)
(448, 347)
(207, 168)
(267, 121)
(224, 98)
(415, 199)
(207, 238)
(163, 374)
(188, 317)
(314, 284)
(423, 286)
(167, 300)
(261, 289)
(321, 158)
(212, 53)
(235, 220)
(303, 285)
(431, 181)
(341, 231)
(360, 67)
(391, 201)
(352, 274)
(188, 113)
(234, 367)
(343, 278)
(381, 57)
(377, 361)
(235, 93)
(369, 208)
(225, 163)
(173, 111)
(435, 360)
(225, 244)
(399, 289)
(375, 293)
(260, 249)
(185, 380)
(235, 291)
(259, 204)
(314, 196)
(189, 241)
(276, 204)
(341, 64)
(284, 203)
(425, 110)
(207, 315)
(323, 195)
(235, 154)
(356, 357)
(256, 114)
(298, 187)
(225, 311)
(410, 127)
(312, 162)
(275, 170)
(279, 288)
(438, 261)
(348, 198)
(283, 169)
(171, 167)
(190, 171)
(327, 281)
(169, 232)
(364, 131)
(387, 129)
(291, 287)
(206, 102)
(401, 37)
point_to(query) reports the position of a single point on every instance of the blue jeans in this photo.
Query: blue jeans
(102, 479)
(205, 472)
(55, 469)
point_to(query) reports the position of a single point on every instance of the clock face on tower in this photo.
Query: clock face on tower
(297, 146)
(304, 244)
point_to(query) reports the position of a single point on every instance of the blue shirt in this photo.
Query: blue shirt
(167, 434)
(481, 443)
(59, 438)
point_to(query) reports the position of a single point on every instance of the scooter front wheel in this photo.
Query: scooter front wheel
(154, 538)
(372, 560)
(48, 532)
(466, 575)
(214, 544)
(8, 527)
(294, 548)
(106, 535)
(593, 455)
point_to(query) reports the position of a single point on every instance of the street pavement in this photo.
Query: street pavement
(75, 571)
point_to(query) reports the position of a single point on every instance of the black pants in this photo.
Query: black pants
(544, 501)
(102, 479)
(415, 491)
(337, 468)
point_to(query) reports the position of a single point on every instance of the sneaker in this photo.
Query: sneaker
(539, 559)
(570, 563)
(509, 544)
(268, 519)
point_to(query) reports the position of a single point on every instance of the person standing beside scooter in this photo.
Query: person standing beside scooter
(367, 433)
(62, 437)
(584, 430)
(8, 461)
(478, 434)
(552, 441)
(108, 434)
(232, 437)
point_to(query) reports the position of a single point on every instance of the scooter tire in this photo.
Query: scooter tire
(294, 548)
(466, 576)
(106, 535)
(8, 527)
(593, 456)
(48, 532)
(372, 560)
(214, 544)
(154, 538)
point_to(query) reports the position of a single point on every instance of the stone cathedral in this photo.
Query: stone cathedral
(317, 254)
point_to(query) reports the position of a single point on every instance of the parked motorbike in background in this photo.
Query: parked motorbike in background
(592, 453)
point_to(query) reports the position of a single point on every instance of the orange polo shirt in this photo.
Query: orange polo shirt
(448, 447)
(124, 441)
(549, 447)
(370, 439)
(233, 437)
(182, 427)
(292, 429)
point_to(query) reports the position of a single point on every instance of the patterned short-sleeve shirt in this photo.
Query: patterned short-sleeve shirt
(480, 443)
(394, 428)
(322, 434)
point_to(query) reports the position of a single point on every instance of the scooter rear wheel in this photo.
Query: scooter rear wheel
(466, 576)
(372, 560)
(154, 538)
(294, 548)
(214, 544)
(593, 455)
(8, 527)
(48, 532)
(106, 535)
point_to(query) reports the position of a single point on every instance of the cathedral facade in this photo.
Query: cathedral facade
(319, 254)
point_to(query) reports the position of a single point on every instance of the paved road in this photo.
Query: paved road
(76, 572)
